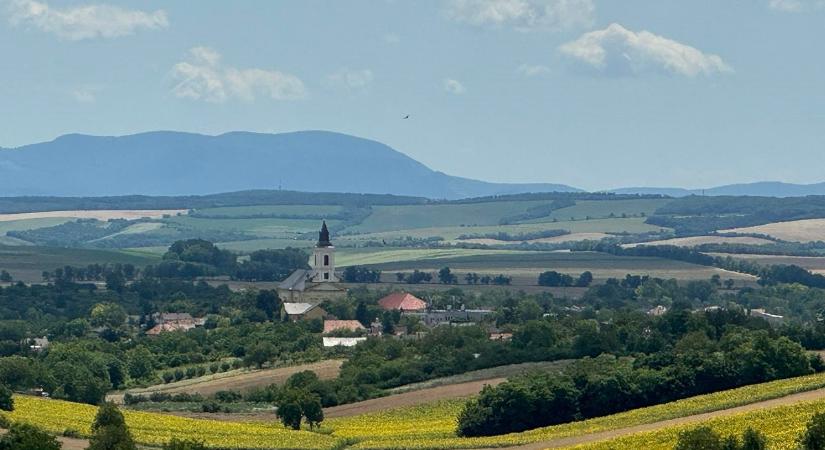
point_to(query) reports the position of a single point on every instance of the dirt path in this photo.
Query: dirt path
(237, 380)
(697, 418)
(412, 398)
(418, 397)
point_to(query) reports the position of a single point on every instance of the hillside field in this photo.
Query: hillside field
(809, 230)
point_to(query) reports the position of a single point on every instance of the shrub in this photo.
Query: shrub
(187, 444)
(6, 400)
(814, 437)
(701, 438)
(28, 437)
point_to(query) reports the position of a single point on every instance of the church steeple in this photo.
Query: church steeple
(323, 236)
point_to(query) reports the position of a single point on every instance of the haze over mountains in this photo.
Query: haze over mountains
(176, 163)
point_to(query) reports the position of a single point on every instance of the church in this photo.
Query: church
(318, 283)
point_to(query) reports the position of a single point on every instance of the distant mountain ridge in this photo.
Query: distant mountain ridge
(169, 163)
(756, 189)
(176, 163)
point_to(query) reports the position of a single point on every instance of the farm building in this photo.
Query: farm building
(402, 301)
(343, 342)
(437, 317)
(319, 283)
(301, 311)
(339, 325)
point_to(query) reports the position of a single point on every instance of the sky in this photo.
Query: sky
(594, 94)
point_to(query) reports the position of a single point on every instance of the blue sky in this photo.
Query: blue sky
(596, 94)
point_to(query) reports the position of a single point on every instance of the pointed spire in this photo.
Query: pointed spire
(323, 236)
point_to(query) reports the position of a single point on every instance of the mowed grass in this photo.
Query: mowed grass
(432, 426)
(292, 210)
(26, 263)
(261, 227)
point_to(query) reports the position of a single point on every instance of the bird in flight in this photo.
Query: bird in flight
(406, 117)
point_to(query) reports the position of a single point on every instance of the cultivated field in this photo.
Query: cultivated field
(104, 215)
(694, 241)
(238, 380)
(812, 263)
(432, 425)
(525, 266)
(809, 230)
(572, 237)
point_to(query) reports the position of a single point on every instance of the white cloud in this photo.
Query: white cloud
(619, 51)
(530, 70)
(85, 94)
(524, 15)
(796, 6)
(203, 77)
(349, 79)
(454, 86)
(84, 21)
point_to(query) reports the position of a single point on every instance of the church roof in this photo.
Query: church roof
(296, 281)
(403, 301)
(323, 236)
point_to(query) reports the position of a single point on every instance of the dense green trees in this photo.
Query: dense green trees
(272, 265)
(606, 385)
(555, 279)
(359, 274)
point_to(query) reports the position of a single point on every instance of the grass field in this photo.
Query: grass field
(614, 225)
(27, 263)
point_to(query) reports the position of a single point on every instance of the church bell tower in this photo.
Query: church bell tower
(324, 258)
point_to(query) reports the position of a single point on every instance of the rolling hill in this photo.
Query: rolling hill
(174, 163)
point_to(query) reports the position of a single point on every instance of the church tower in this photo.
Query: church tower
(324, 258)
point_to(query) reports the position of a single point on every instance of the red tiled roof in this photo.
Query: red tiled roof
(403, 301)
(351, 325)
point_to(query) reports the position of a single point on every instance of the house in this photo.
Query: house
(302, 311)
(170, 326)
(657, 311)
(39, 344)
(318, 283)
(498, 336)
(402, 301)
(338, 325)
(343, 342)
(773, 319)
(174, 322)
